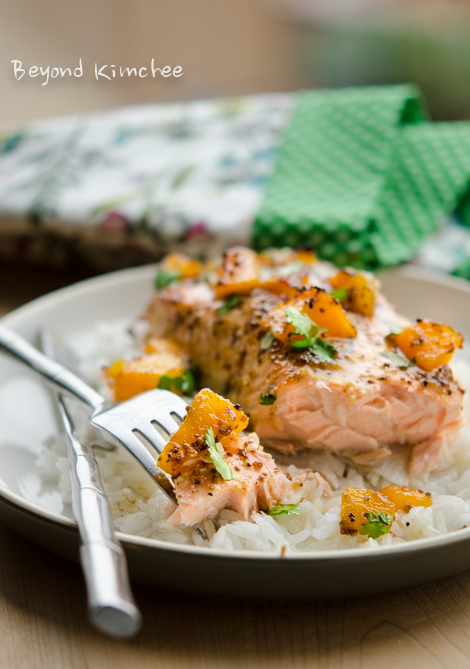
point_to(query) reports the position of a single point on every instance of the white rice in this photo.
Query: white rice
(138, 506)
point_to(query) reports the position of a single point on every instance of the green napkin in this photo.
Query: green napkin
(363, 176)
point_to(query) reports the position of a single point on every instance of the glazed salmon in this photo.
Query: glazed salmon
(258, 484)
(358, 405)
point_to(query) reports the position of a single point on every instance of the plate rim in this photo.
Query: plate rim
(142, 273)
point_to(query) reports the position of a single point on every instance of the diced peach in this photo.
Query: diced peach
(429, 344)
(403, 498)
(324, 310)
(340, 280)
(188, 267)
(327, 312)
(187, 445)
(360, 298)
(356, 502)
(127, 378)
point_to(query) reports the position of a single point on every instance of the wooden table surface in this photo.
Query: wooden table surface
(43, 607)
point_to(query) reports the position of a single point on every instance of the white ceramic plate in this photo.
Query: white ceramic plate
(27, 416)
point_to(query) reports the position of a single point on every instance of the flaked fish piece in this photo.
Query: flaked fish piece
(359, 406)
(214, 466)
(258, 484)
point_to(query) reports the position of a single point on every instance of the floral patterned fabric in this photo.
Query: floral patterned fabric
(123, 187)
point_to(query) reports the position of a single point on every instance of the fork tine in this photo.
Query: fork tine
(169, 403)
(152, 436)
(181, 413)
(135, 416)
(143, 457)
(167, 423)
(132, 443)
(119, 421)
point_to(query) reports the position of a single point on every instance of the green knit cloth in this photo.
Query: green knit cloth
(363, 175)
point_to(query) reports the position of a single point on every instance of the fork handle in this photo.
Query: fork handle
(18, 348)
(109, 608)
(111, 605)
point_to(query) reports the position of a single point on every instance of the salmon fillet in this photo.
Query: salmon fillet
(358, 407)
(259, 484)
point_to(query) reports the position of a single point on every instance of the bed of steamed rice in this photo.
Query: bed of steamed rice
(138, 506)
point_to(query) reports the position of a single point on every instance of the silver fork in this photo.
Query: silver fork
(111, 605)
(152, 415)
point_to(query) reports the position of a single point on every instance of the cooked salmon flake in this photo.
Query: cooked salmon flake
(263, 487)
(238, 273)
(356, 404)
(242, 270)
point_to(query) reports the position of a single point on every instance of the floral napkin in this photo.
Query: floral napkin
(123, 187)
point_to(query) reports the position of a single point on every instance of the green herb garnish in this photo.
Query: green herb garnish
(229, 304)
(267, 341)
(377, 525)
(267, 399)
(323, 349)
(165, 277)
(184, 383)
(310, 333)
(340, 294)
(285, 510)
(303, 327)
(396, 359)
(220, 464)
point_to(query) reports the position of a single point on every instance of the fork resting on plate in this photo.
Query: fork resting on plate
(111, 605)
(151, 416)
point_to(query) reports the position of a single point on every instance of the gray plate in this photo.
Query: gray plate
(36, 512)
